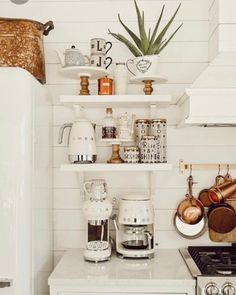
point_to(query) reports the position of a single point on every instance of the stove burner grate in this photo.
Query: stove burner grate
(218, 261)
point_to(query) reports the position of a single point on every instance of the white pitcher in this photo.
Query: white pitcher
(96, 189)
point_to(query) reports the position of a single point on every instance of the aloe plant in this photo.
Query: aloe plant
(147, 43)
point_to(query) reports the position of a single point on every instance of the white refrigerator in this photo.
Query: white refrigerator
(25, 184)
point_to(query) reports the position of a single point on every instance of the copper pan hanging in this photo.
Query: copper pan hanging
(190, 210)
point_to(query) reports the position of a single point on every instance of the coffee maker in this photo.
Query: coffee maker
(97, 209)
(135, 227)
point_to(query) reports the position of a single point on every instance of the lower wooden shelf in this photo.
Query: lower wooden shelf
(139, 167)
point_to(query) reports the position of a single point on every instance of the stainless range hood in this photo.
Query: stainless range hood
(211, 100)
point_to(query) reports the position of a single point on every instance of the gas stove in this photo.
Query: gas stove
(213, 267)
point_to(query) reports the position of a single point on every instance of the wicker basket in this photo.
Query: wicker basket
(21, 45)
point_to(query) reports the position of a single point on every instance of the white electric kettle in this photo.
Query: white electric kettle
(82, 144)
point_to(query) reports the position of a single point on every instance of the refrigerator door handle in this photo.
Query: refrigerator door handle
(5, 283)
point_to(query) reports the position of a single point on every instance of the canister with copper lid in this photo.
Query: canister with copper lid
(141, 128)
(148, 149)
(158, 127)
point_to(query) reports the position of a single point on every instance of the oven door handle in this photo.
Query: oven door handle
(4, 283)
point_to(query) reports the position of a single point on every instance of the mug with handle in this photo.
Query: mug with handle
(100, 46)
(100, 61)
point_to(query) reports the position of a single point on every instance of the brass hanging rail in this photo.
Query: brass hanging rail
(187, 166)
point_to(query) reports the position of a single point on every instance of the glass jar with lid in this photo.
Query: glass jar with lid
(121, 78)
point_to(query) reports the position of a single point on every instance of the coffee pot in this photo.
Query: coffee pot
(137, 237)
(81, 142)
(73, 57)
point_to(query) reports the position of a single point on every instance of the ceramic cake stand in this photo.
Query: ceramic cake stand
(84, 74)
(115, 143)
(148, 81)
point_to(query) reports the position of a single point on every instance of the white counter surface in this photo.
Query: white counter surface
(166, 269)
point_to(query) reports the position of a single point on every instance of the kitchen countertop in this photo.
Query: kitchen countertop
(167, 268)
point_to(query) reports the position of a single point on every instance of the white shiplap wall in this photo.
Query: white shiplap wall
(182, 61)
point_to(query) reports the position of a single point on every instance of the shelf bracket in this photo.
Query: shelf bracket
(80, 177)
(152, 179)
(152, 111)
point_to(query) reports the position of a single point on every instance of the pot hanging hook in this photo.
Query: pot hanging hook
(190, 169)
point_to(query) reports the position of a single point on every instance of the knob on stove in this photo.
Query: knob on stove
(228, 289)
(212, 289)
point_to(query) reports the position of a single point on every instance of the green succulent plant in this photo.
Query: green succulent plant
(147, 43)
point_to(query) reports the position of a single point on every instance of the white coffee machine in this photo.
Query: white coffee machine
(97, 209)
(135, 227)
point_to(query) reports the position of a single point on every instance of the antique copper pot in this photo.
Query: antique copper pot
(21, 45)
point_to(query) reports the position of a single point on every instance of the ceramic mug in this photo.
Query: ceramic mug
(100, 61)
(99, 46)
(146, 65)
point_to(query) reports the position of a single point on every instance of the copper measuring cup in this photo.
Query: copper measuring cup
(203, 194)
(190, 210)
(222, 191)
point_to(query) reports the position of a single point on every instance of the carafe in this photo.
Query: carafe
(137, 237)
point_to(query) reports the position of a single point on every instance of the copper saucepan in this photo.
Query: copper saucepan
(190, 210)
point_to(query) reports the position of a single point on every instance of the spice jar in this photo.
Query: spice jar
(105, 86)
(131, 154)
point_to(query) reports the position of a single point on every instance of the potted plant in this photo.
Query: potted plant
(147, 46)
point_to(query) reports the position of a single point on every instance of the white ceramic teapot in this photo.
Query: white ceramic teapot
(73, 57)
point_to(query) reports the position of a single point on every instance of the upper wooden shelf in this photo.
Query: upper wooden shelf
(128, 100)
